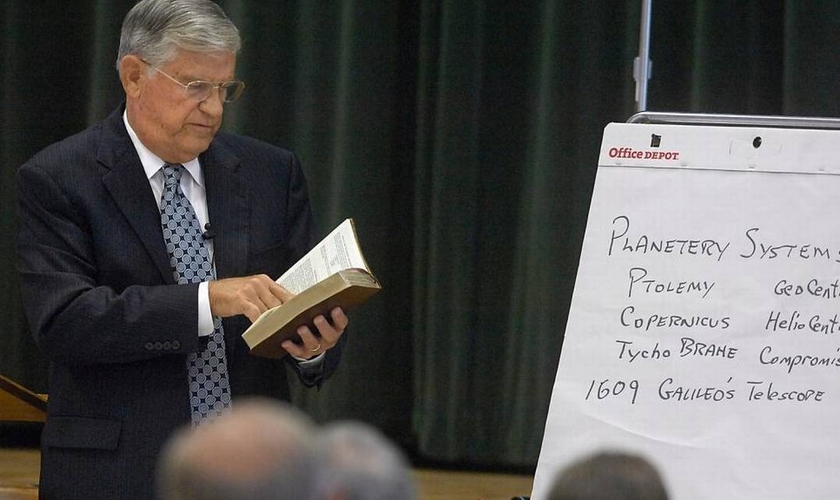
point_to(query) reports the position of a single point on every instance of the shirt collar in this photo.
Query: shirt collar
(152, 162)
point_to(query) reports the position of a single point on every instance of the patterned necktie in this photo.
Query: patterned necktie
(190, 259)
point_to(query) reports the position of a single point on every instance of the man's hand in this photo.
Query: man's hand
(329, 332)
(250, 295)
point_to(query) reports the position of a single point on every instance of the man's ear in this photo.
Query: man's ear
(132, 75)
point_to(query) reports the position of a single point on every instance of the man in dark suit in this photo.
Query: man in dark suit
(122, 230)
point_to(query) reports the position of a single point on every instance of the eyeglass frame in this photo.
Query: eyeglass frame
(238, 84)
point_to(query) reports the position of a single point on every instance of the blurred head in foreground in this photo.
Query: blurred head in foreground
(609, 476)
(261, 450)
(359, 463)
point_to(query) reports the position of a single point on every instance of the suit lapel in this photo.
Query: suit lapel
(227, 205)
(126, 178)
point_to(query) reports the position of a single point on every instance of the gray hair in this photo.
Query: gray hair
(262, 450)
(154, 29)
(360, 463)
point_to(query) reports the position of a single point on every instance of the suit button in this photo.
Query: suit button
(167, 345)
(149, 346)
(158, 346)
(176, 344)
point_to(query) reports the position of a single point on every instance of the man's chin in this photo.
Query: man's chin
(191, 151)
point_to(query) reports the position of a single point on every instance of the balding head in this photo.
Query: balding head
(262, 450)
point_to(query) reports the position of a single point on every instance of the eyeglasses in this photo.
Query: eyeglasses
(199, 90)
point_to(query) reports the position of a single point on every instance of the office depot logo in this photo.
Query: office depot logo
(639, 154)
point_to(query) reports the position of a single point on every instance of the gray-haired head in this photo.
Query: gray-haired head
(155, 29)
(360, 463)
(262, 450)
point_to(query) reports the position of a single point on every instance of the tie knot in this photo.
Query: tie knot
(172, 173)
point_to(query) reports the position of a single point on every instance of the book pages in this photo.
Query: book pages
(338, 251)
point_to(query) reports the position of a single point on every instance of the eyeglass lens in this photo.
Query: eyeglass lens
(228, 91)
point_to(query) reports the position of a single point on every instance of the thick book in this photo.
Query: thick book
(333, 274)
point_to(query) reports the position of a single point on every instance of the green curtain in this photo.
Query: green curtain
(462, 136)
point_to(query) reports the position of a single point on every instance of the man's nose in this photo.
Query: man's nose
(214, 104)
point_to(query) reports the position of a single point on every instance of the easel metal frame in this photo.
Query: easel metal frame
(641, 73)
(735, 120)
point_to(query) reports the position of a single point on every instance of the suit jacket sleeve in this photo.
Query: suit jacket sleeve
(78, 314)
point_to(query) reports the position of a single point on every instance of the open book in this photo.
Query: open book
(333, 274)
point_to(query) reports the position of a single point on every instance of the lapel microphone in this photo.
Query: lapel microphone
(208, 236)
(208, 233)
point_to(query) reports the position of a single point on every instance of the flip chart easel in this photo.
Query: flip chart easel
(704, 330)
